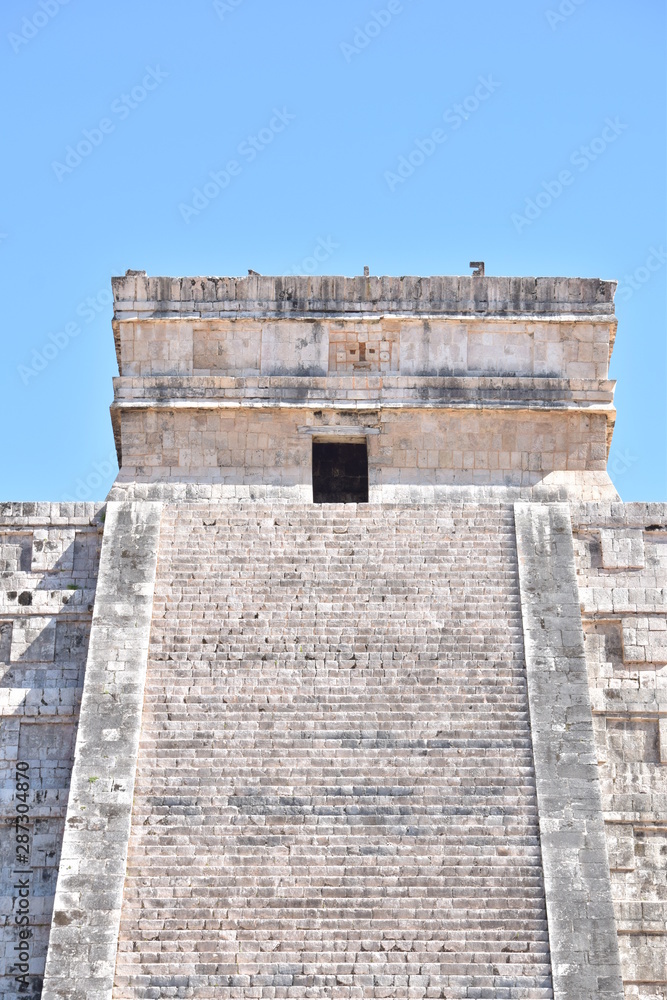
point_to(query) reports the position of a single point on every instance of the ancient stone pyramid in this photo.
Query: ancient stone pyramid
(356, 684)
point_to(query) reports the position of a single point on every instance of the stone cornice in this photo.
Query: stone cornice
(374, 391)
(136, 295)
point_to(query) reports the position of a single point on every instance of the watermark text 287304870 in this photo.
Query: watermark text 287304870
(22, 873)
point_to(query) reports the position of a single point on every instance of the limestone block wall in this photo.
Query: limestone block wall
(580, 911)
(545, 347)
(49, 555)
(252, 446)
(515, 368)
(621, 553)
(137, 295)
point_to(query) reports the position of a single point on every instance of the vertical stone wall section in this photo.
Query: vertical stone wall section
(621, 555)
(582, 932)
(49, 554)
(82, 948)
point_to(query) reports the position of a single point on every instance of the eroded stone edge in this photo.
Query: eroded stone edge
(86, 918)
(582, 929)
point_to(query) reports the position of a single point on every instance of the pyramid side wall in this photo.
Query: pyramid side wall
(582, 932)
(621, 555)
(49, 557)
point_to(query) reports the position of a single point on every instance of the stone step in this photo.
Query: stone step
(335, 793)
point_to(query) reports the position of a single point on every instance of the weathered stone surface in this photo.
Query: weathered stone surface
(335, 780)
(582, 933)
(560, 347)
(284, 297)
(84, 933)
(418, 447)
(624, 611)
(622, 549)
(491, 383)
(49, 555)
(335, 792)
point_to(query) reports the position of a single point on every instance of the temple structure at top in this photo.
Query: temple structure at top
(379, 389)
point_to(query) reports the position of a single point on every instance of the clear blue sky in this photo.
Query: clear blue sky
(180, 86)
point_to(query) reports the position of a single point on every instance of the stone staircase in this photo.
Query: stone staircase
(335, 793)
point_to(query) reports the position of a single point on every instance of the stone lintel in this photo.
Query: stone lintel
(582, 929)
(86, 917)
(338, 430)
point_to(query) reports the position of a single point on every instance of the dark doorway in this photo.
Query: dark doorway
(340, 473)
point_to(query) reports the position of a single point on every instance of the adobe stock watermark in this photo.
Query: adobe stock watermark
(3, 237)
(224, 7)
(86, 489)
(364, 34)
(122, 107)
(622, 462)
(581, 158)
(631, 283)
(249, 150)
(31, 26)
(322, 251)
(56, 342)
(454, 117)
(564, 10)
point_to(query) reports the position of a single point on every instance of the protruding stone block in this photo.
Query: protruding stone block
(622, 549)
